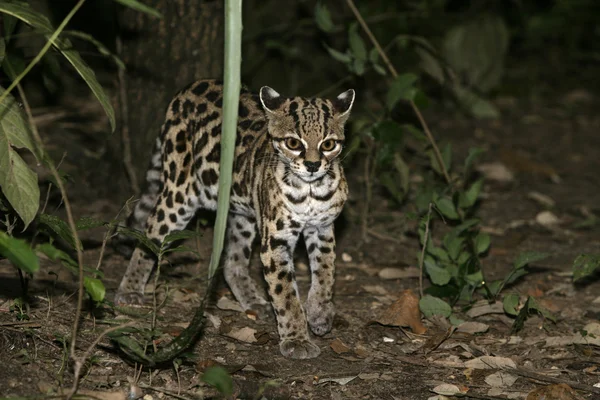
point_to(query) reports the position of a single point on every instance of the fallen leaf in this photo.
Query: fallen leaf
(472, 327)
(399, 273)
(225, 303)
(245, 334)
(541, 199)
(496, 172)
(214, 320)
(375, 289)
(522, 162)
(346, 257)
(338, 346)
(593, 328)
(484, 308)
(501, 379)
(560, 391)
(367, 377)
(446, 389)
(578, 338)
(547, 219)
(342, 381)
(490, 362)
(403, 312)
(434, 341)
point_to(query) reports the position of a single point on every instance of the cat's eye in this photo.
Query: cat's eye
(293, 143)
(328, 145)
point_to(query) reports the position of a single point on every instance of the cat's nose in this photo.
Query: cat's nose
(312, 166)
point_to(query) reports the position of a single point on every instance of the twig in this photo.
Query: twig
(422, 258)
(125, 139)
(551, 379)
(394, 73)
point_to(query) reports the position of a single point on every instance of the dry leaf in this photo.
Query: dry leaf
(367, 377)
(403, 312)
(547, 219)
(483, 308)
(375, 289)
(341, 381)
(346, 257)
(490, 362)
(225, 303)
(338, 346)
(496, 172)
(399, 273)
(245, 334)
(541, 199)
(214, 320)
(561, 391)
(446, 389)
(500, 379)
(472, 327)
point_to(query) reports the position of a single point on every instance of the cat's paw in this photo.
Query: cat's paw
(129, 299)
(320, 319)
(299, 349)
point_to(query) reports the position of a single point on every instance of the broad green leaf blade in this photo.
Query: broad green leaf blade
(19, 183)
(24, 12)
(102, 49)
(482, 243)
(149, 244)
(84, 223)
(474, 153)
(181, 235)
(401, 89)
(438, 275)
(95, 288)
(220, 379)
(55, 254)
(510, 304)
(585, 265)
(60, 228)
(338, 55)
(529, 257)
(323, 18)
(19, 253)
(445, 206)
(431, 306)
(139, 6)
(15, 127)
(357, 44)
(2, 50)
(468, 198)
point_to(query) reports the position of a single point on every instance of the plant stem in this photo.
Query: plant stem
(44, 50)
(422, 258)
(394, 73)
(231, 96)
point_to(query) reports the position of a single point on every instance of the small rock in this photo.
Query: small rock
(496, 172)
(346, 257)
(547, 219)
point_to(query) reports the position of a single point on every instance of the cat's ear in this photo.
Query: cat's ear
(270, 99)
(343, 104)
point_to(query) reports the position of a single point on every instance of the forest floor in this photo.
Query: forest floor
(548, 150)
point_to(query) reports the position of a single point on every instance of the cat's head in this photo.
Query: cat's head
(307, 133)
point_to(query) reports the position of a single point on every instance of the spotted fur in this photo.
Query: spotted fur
(287, 182)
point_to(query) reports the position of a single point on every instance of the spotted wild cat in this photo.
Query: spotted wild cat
(287, 182)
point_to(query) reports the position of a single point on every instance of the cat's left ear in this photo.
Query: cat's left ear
(343, 104)
(270, 99)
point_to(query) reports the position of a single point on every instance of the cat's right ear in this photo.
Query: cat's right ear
(270, 99)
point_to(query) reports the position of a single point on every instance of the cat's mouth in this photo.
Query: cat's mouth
(310, 176)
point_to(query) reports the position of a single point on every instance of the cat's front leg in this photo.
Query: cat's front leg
(320, 245)
(277, 247)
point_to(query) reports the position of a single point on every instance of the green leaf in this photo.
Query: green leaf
(357, 44)
(401, 89)
(438, 275)
(453, 244)
(468, 198)
(141, 237)
(529, 257)
(19, 253)
(438, 253)
(181, 235)
(102, 49)
(445, 206)
(585, 265)
(138, 6)
(338, 55)
(431, 306)
(95, 288)
(510, 304)
(358, 66)
(474, 104)
(475, 279)
(60, 228)
(24, 12)
(531, 306)
(17, 181)
(323, 18)
(85, 223)
(482, 243)
(446, 153)
(10, 23)
(474, 153)
(220, 379)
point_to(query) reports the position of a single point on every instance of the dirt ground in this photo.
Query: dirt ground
(548, 148)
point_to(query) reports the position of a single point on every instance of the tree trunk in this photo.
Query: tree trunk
(163, 56)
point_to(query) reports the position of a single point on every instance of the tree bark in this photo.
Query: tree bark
(162, 56)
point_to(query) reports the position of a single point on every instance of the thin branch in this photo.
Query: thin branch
(422, 258)
(394, 73)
